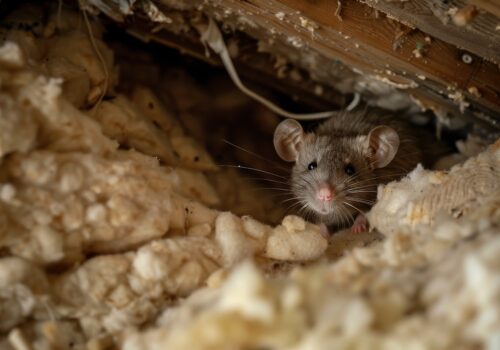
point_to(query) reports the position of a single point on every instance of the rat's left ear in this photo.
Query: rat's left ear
(383, 144)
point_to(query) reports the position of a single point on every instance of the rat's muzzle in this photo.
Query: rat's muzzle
(325, 192)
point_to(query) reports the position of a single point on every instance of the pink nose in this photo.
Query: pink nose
(325, 193)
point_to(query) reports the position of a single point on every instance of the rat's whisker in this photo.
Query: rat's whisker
(255, 155)
(359, 200)
(274, 189)
(267, 180)
(362, 189)
(352, 206)
(289, 209)
(304, 207)
(347, 215)
(367, 189)
(252, 169)
(299, 199)
(371, 179)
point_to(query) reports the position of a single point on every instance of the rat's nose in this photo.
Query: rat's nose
(325, 193)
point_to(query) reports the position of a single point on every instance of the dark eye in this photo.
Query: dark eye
(312, 165)
(349, 169)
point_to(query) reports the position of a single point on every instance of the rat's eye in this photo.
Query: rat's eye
(312, 165)
(349, 169)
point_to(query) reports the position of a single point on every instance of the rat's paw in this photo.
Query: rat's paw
(360, 224)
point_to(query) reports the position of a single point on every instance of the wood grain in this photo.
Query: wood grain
(479, 37)
(332, 45)
(364, 40)
(491, 6)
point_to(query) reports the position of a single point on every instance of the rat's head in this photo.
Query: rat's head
(335, 176)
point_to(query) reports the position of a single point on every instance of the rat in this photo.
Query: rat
(339, 166)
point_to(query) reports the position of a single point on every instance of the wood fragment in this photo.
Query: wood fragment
(17, 340)
(338, 10)
(401, 36)
(465, 15)
(491, 6)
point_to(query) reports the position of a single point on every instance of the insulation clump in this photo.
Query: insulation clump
(106, 211)
(449, 266)
(423, 194)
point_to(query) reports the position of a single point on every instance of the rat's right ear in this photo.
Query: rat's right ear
(287, 138)
(383, 144)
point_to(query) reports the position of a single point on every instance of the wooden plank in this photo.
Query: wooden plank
(479, 36)
(491, 6)
(364, 41)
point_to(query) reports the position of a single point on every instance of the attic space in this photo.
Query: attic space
(168, 180)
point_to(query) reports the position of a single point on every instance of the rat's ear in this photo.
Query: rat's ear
(383, 144)
(287, 138)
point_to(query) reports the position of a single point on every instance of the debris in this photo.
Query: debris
(308, 24)
(459, 98)
(474, 91)
(401, 36)
(318, 90)
(465, 15)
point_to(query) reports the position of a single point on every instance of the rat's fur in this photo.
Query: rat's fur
(339, 141)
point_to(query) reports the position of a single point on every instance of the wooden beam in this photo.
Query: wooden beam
(491, 6)
(479, 36)
(440, 62)
(364, 40)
